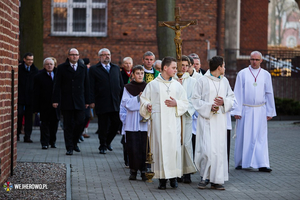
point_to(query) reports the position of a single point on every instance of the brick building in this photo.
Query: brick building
(9, 48)
(231, 28)
(127, 28)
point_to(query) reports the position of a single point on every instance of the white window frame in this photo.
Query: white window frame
(70, 5)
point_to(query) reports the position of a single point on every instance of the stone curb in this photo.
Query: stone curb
(68, 183)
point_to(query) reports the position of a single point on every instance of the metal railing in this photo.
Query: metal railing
(284, 66)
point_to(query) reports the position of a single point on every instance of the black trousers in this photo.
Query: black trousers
(228, 146)
(73, 127)
(125, 154)
(193, 144)
(48, 132)
(87, 116)
(136, 148)
(108, 124)
(27, 112)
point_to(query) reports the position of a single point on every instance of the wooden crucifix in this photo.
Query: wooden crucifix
(177, 26)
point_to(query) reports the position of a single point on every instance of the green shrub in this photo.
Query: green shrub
(287, 106)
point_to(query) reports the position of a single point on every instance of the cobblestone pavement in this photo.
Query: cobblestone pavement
(96, 176)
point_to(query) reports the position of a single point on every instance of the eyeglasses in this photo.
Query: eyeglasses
(104, 55)
(252, 59)
(73, 54)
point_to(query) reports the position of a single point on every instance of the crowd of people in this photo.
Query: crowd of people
(183, 120)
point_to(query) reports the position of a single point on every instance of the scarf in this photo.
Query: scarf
(135, 88)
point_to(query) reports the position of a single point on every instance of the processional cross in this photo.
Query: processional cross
(177, 26)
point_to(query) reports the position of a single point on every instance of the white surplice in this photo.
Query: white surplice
(254, 104)
(188, 166)
(133, 118)
(196, 75)
(165, 131)
(211, 139)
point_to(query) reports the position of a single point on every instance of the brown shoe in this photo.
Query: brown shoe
(85, 135)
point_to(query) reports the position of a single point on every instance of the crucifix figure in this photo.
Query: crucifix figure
(177, 26)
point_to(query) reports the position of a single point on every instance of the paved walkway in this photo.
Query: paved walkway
(95, 176)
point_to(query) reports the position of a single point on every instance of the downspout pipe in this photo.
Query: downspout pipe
(219, 26)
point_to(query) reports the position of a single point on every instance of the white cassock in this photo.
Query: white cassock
(211, 139)
(254, 104)
(188, 84)
(165, 132)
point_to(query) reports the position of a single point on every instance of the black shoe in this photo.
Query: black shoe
(264, 169)
(132, 177)
(28, 141)
(69, 153)
(53, 146)
(76, 148)
(109, 148)
(238, 168)
(45, 147)
(179, 179)
(173, 182)
(187, 178)
(162, 184)
(102, 151)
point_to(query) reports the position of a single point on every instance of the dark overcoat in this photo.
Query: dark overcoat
(43, 89)
(25, 84)
(106, 88)
(71, 88)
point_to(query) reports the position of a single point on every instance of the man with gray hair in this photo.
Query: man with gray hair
(150, 72)
(255, 106)
(127, 65)
(106, 93)
(157, 65)
(197, 63)
(49, 116)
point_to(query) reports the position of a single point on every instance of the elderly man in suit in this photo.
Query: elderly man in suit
(106, 93)
(49, 116)
(71, 89)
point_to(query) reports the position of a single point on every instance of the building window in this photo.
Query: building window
(79, 18)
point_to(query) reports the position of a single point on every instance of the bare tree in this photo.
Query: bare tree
(31, 30)
(279, 10)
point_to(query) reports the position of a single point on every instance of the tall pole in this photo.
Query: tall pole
(165, 42)
(12, 122)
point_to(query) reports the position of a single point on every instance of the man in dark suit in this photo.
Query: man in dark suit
(71, 89)
(106, 93)
(43, 88)
(26, 72)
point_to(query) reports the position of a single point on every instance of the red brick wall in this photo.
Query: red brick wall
(253, 26)
(9, 48)
(138, 20)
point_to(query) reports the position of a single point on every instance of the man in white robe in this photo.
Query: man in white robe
(212, 98)
(255, 106)
(193, 73)
(164, 100)
(188, 84)
(191, 70)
